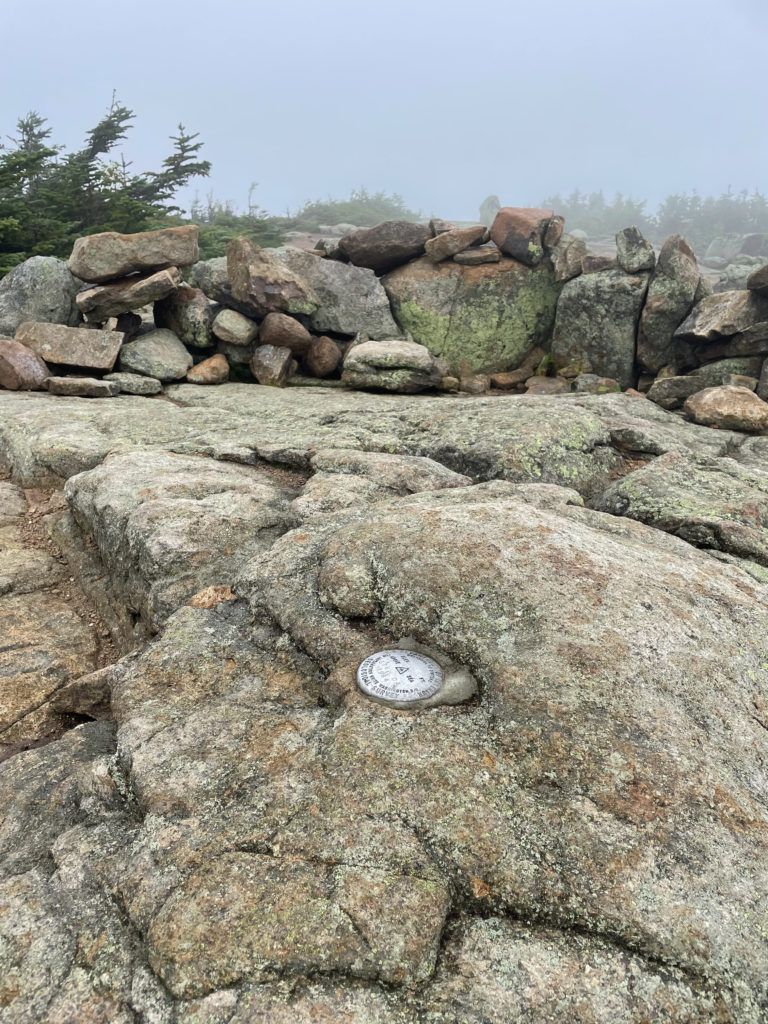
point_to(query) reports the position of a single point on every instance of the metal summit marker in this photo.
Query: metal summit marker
(400, 676)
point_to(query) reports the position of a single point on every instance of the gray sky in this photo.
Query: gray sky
(440, 101)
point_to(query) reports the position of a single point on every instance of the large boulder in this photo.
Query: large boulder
(671, 294)
(109, 254)
(40, 289)
(158, 354)
(351, 298)
(483, 319)
(264, 284)
(596, 324)
(723, 315)
(71, 346)
(385, 246)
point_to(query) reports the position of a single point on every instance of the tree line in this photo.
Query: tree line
(49, 197)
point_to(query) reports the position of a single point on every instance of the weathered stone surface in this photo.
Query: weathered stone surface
(234, 328)
(591, 384)
(165, 526)
(478, 319)
(85, 387)
(323, 357)
(762, 384)
(596, 324)
(393, 365)
(71, 346)
(672, 292)
(271, 366)
(346, 479)
(593, 264)
(105, 300)
(21, 369)
(264, 284)
(546, 386)
(722, 315)
(712, 503)
(751, 342)
(109, 254)
(671, 392)
(283, 331)
(448, 243)
(519, 233)
(758, 280)
(633, 252)
(386, 246)
(214, 370)
(480, 254)
(190, 314)
(720, 372)
(40, 289)
(567, 257)
(733, 408)
(135, 383)
(158, 354)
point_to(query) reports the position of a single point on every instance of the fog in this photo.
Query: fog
(441, 102)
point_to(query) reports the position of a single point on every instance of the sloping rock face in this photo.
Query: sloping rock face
(478, 319)
(596, 324)
(41, 288)
(251, 839)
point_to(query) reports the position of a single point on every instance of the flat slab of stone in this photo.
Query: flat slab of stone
(83, 387)
(106, 300)
(158, 354)
(71, 346)
(105, 256)
(135, 383)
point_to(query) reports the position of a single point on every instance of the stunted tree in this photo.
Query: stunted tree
(48, 198)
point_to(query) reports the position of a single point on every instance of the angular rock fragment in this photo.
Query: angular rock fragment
(671, 392)
(71, 346)
(633, 252)
(722, 315)
(234, 328)
(21, 369)
(158, 354)
(758, 280)
(189, 313)
(519, 233)
(108, 255)
(270, 365)
(455, 240)
(475, 257)
(263, 283)
(105, 300)
(567, 257)
(386, 246)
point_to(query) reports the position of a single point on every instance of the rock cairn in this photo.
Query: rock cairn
(401, 307)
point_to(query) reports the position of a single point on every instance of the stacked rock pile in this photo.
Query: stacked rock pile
(402, 307)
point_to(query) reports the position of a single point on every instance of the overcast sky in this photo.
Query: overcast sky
(442, 102)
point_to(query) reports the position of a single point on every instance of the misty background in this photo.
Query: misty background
(442, 103)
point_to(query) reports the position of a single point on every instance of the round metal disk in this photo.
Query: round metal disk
(399, 676)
